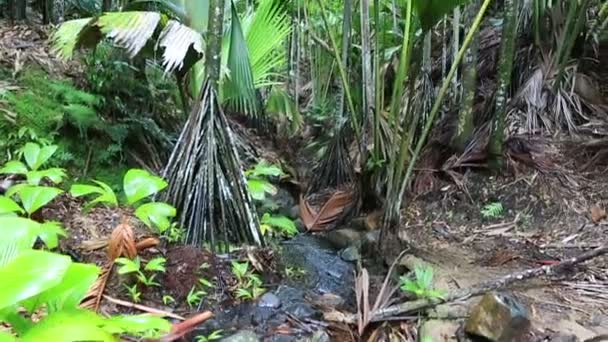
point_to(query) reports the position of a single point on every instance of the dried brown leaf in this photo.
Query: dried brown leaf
(93, 298)
(147, 243)
(122, 241)
(180, 329)
(330, 211)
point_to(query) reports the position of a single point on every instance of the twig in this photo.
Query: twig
(142, 308)
(484, 287)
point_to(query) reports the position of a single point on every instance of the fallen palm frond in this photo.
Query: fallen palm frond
(332, 209)
(92, 299)
(179, 330)
(206, 182)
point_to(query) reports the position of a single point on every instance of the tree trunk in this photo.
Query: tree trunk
(469, 84)
(106, 6)
(505, 68)
(214, 41)
(346, 28)
(17, 9)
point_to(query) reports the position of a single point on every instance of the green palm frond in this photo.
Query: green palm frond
(66, 38)
(266, 30)
(182, 46)
(179, 43)
(281, 104)
(129, 30)
(239, 89)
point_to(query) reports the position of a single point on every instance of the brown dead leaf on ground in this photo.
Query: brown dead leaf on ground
(329, 212)
(597, 214)
(122, 241)
(93, 298)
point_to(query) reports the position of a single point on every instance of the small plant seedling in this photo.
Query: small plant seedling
(167, 299)
(249, 284)
(195, 297)
(422, 284)
(134, 266)
(257, 182)
(214, 336)
(295, 272)
(205, 283)
(492, 210)
(134, 293)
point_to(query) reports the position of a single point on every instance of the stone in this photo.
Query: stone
(350, 253)
(294, 212)
(439, 330)
(301, 310)
(499, 317)
(300, 225)
(242, 336)
(269, 300)
(342, 238)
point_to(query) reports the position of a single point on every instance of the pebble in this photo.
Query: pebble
(269, 300)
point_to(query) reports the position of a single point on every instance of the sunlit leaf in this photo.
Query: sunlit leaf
(139, 184)
(258, 188)
(282, 224)
(36, 197)
(50, 232)
(14, 167)
(35, 155)
(55, 175)
(156, 214)
(150, 326)
(65, 39)
(128, 265)
(69, 292)
(69, 326)
(7, 205)
(29, 274)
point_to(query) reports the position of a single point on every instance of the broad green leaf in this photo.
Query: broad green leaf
(156, 264)
(283, 224)
(18, 234)
(69, 326)
(139, 184)
(69, 292)
(431, 11)
(258, 188)
(6, 337)
(106, 194)
(55, 175)
(35, 156)
(15, 189)
(36, 197)
(264, 169)
(7, 205)
(12, 316)
(50, 232)
(156, 214)
(14, 167)
(149, 326)
(30, 273)
(128, 265)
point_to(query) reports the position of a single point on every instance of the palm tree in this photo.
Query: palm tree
(206, 181)
(505, 68)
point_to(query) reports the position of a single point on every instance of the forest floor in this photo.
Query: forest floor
(546, 217)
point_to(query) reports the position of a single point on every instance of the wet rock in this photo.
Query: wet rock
(498, 317)
(284, 202)
(350, 254)
(242, 336)
(283, 338)
(342, 238)
(439, 330)
(325, 271)
(294, 212)
(301, 310)
(269, 300)
(563, 338)
(300, 225)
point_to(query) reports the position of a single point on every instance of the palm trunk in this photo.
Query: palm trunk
(469, 84)
(346, 28)
(106, 6)
(214, 41)
(505, 68)
(368, 79)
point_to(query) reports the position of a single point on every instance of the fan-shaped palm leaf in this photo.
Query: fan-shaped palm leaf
(266, 30)
(129, 30)
(66, 38)
(239, 89)
(176, 40)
